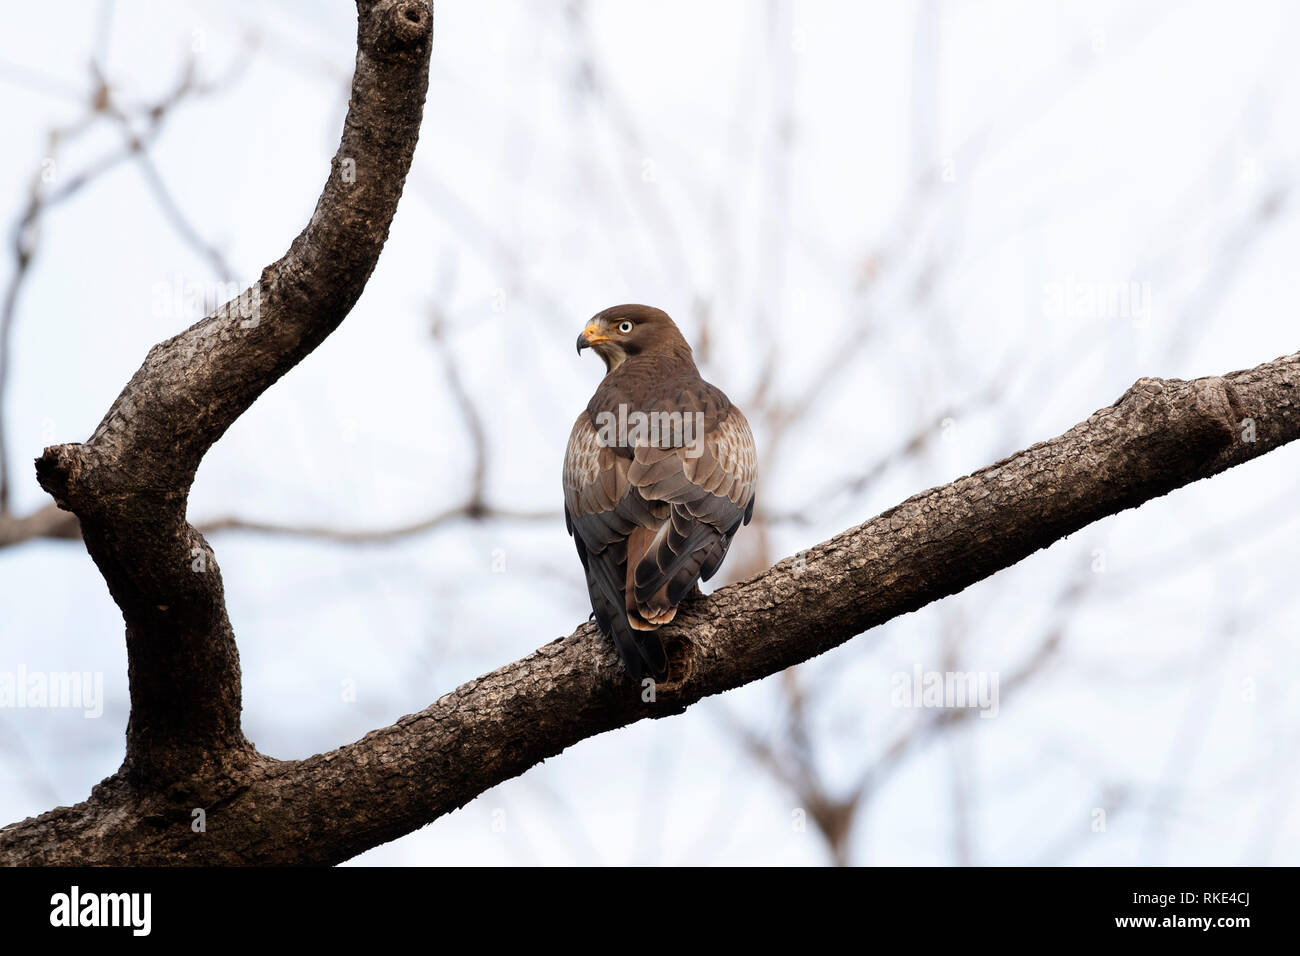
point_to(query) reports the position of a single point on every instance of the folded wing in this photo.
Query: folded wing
(651, 520)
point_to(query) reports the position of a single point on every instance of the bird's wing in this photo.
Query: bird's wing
(651, 520)
(601, 510)
(709, 486)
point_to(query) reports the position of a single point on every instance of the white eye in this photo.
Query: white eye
(625, 327)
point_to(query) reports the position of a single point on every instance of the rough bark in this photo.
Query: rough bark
(128, 485)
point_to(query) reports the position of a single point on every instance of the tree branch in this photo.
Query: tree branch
(128, 484)
(1160, 435)
(52, 523)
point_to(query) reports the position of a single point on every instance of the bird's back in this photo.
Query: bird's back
(659, 475)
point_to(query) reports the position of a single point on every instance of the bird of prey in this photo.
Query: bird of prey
(658, 477)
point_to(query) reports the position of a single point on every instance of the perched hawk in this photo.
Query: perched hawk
(658, 476)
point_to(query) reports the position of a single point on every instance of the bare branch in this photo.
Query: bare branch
(40, 201)
(48, 522)
(468, 511)
(52, 523)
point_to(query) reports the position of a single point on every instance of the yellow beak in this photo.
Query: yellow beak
(590, 336)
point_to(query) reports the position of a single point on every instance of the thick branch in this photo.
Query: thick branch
(1160, 435)
(128, 484)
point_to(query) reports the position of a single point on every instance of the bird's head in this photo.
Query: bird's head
(626, 331)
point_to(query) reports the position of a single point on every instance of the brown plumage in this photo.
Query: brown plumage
(658, 476)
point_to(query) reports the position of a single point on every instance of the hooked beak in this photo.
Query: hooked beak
(590, 336)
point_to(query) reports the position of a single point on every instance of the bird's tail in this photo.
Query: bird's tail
(641, 651)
